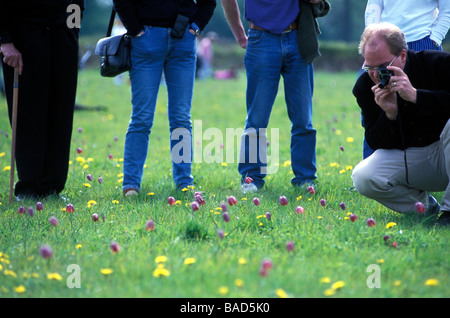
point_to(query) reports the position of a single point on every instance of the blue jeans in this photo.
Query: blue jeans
(152, 54)
(268, 57)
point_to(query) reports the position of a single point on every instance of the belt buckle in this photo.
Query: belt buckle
(288, 29)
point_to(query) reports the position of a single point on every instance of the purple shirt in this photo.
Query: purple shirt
(272, 15)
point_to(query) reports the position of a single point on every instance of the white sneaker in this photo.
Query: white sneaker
(248, 187)
(130, 192)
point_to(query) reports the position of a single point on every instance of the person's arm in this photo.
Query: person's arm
(127, 12)
(233, 16)
(373, 12)
(205, 10)
(11, 56)
(442, 25)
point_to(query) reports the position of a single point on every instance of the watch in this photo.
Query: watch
(195, 28)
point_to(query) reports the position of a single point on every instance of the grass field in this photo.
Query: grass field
(317, 253)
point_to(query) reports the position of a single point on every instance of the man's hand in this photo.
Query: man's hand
(400, 84)
(12, 56)
(387, 100)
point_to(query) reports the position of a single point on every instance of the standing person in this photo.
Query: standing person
(282, 41)
(407, 123)
(36, 39)
(424, 23)
(163, 36)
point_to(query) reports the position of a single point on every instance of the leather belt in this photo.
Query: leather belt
(293, 26)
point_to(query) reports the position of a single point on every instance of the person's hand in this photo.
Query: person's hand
(12, 56)
(399, 83)
(387, 100)
(243, 42)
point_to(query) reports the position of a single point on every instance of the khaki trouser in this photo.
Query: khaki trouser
(382, 176)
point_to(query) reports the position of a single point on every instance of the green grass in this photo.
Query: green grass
(327, 244)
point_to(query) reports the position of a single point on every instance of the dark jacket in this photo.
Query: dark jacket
(33, 12)
(134, 14)
(417, 125)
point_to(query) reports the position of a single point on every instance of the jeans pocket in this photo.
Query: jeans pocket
(255, 36)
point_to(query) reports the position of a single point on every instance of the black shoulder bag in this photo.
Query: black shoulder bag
(114, 51)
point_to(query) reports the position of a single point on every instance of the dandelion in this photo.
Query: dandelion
(87, 185)
(106, 271)
(20, 289)
(329, 292)
(91, 203)
(390, 224)
(78, 246)
(223, 290)
(239, 282)
(350, 139)
(189, 261)
(281, 293)
(432, 282)
(337, 285)
(160, 271)
(160, 259)
(54, 276)
(325, 280)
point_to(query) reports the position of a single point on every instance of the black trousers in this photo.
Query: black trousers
(47, 90)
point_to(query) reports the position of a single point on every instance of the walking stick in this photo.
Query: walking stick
(14, 129)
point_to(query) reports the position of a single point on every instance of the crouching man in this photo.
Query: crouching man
(405, 101)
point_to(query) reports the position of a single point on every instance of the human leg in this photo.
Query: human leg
(298, 84)
(179, 72)
(263, 67)
(147, 59)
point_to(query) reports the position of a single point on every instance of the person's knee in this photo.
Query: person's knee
(364, 181)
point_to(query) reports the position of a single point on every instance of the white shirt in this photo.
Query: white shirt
(416, 18)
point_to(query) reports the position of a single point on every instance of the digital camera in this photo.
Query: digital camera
(385, 75)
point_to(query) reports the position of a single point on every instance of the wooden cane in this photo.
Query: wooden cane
(14, 130)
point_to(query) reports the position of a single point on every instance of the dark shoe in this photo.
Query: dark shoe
(433, 206)
(444, 219)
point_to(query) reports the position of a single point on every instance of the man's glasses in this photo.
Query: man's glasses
(375, 68)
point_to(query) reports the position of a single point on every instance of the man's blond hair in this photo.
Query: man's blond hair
(388, 32)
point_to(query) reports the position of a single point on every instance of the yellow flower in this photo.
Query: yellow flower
(390, 224)
(287, 163)
(242, 261)
(85, 166)
(325, 280)
(189, 261)
(2, 154)
(432, 282)
(299, 198)
(334, 164)
(281, 293)
(160, 271)
(106, 271)
(184, 189)
(1, 267)
(397, 283)
(151, 193)
(87, 185)
(223, 290)
(380, 261)
(338, 132)
(78, 246)
(7, 168)
(10, 273)
(338, 284)
(350, 139)
(329, 292)
(115, 201)
(239, 282)
(54, 276)
(160, 259)
(19, 289)
(224, 164)
(81, 160)
(91, 203)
